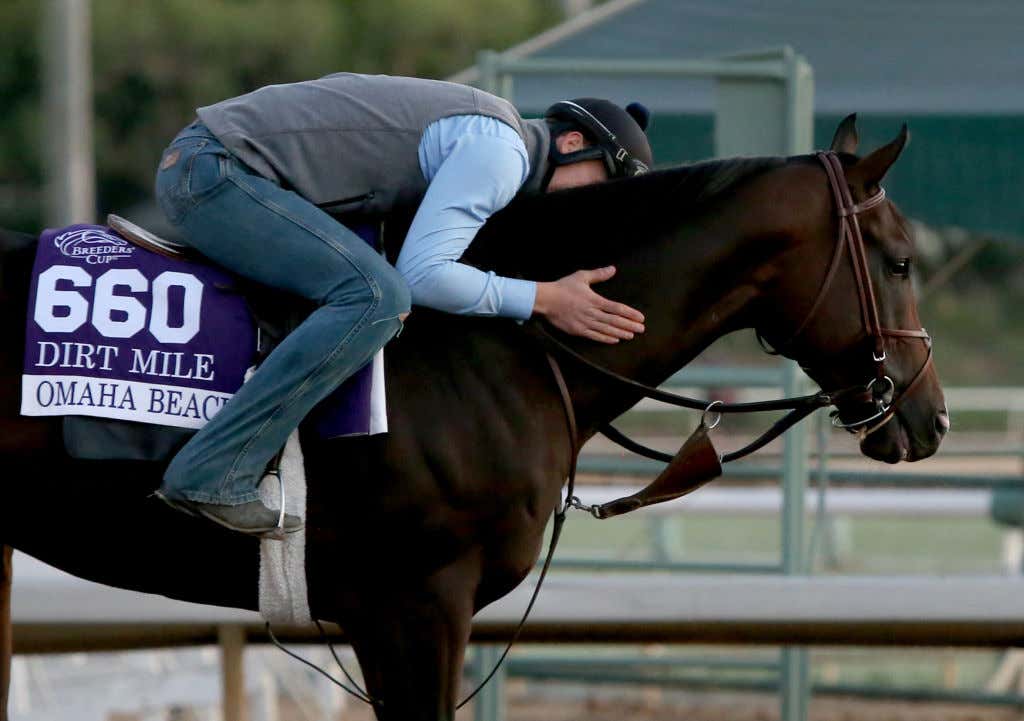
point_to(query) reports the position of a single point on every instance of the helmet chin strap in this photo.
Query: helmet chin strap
(557, 158)
(549, 173)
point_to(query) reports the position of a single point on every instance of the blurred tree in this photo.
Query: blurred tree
(437, 38)
(154, 63)
(21, 178)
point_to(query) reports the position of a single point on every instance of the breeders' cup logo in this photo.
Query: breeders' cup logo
(95, 246)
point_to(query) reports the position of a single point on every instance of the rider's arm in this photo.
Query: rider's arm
(475, 165)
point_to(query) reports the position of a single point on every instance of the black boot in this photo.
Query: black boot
(253, 517)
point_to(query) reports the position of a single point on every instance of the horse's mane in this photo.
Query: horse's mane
(564, 228)
(709, 180)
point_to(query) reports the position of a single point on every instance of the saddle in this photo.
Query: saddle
(275, 314)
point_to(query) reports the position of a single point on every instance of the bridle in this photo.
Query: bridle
(881, 388)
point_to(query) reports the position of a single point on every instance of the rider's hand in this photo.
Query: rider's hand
(570, 305)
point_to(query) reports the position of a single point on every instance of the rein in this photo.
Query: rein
(691, 467)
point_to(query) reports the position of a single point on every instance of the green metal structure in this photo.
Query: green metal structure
(764, 106)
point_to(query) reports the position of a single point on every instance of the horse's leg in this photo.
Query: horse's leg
(6, 574)
(411, 647)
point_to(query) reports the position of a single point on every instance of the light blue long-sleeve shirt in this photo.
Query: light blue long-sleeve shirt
(474, 166)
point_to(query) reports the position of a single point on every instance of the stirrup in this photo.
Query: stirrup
(275, 471)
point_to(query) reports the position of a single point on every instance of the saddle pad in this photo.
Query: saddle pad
(116, 331)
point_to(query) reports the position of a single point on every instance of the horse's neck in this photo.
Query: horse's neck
(694, 287)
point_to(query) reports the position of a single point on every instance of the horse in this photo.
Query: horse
(410, 533)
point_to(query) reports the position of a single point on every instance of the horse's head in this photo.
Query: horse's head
(845, 308)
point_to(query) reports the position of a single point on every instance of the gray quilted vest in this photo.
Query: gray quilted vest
(349, 142)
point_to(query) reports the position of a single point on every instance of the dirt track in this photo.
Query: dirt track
(548, 702)
(655, 705)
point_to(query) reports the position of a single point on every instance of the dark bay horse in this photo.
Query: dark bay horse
(411, 532)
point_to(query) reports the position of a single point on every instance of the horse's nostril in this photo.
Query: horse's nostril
(942, 422)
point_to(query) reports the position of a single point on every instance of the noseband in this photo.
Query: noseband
(881, 389)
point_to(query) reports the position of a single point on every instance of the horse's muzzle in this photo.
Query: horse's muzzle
(907, 437)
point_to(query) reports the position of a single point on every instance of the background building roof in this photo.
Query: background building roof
(906, 56)
(949, 68)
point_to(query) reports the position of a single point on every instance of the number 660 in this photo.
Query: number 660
(105, 302)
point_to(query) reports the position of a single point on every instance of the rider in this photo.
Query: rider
(250, 185)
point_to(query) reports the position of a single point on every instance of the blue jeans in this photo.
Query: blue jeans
(259, 230)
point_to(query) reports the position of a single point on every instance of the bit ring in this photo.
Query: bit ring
(718, 415)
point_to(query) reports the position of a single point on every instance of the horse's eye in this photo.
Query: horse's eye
(900, 267)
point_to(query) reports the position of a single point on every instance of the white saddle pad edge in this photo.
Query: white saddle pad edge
(284, 597)
(283, 594)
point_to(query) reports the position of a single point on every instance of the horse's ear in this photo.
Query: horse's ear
(845, 140)
(871, 169)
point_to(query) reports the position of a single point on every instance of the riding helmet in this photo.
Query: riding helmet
(617, 134)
